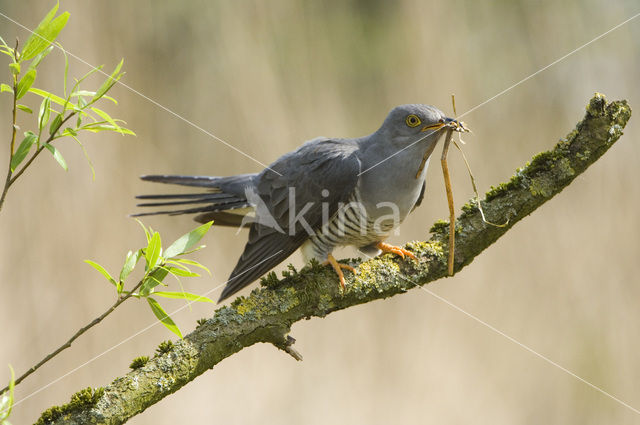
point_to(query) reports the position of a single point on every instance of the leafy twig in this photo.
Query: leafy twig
(36, 48)
(75, 336)
(14, 76)
(35, 154)
(156, 269)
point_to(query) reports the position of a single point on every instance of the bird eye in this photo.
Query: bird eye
(412, 121)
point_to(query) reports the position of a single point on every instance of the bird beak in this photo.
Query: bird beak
(434, 127)
(451, 123)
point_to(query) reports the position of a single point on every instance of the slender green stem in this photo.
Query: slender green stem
(37, 152)
(7, 182)
(14, 118)
(75, 336)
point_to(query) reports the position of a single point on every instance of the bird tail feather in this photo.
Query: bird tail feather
(224, 194)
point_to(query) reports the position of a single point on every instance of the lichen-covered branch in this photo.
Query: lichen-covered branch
(267, 314)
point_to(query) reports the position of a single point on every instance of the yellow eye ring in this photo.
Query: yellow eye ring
(413, 120)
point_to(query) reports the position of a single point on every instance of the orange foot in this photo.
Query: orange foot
(398, 250)
(338, 268)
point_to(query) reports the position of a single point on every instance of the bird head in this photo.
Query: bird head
(407, 124)
(412, 131)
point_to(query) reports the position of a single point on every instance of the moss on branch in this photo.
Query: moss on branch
(267, 314)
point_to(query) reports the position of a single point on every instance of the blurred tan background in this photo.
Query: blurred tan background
(265, 76)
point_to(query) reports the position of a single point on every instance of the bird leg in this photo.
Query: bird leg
(398, 250)
(337, 267)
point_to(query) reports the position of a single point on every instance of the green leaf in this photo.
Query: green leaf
(88, 93)
(175, 263)
(66, 71)
(83, 93)
(73, 135)
(102, 271)
(153, 280)
(25, 83)
(82, 103)
(5, 88)
(115, 102)
(5, 47)
(198, 248)
(7, 51)
(152, 253)
(146, 232)
(70, 132)
(36, 61)
(45, 34)
(15, 68)
(181, 272)
(57, 156)
(25, 109)
(44, 23)
(53, 98)
(129, 264)
(184, 296)
(45, 112)
(55, 125)
(107, 118)
(186, 241)
(6, 401)
(191, 263)
(23, 149)
(97, 127)
(77, 84)
(163, 317)
(109, 82)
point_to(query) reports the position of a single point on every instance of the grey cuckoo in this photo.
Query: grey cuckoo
(329, 192)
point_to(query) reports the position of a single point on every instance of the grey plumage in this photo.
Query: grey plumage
(315, 183)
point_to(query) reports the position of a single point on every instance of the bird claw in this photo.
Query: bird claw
(337, 267)
(398, 250)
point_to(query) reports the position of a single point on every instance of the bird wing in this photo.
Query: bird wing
(293, 187)
(421, 196)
